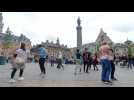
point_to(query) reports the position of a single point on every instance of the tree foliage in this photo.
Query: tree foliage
(129, 50)
(7, 41)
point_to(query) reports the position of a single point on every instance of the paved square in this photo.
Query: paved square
(63, 78)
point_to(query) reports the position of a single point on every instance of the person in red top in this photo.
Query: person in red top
(86, 60)
(106, 65)
(95, 61)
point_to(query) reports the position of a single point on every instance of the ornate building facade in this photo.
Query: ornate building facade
(119, 48)
(15, 40)
(54, 48)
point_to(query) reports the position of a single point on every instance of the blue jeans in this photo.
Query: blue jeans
(130, 64)
(106, 69)
(42, 67)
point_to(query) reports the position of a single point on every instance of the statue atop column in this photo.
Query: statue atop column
(78, 21)
(1, 23)
(58, 42)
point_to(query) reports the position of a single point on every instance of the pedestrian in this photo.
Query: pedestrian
(85, 60)
(117, 59)
(59, 65)
(78, 62)
(95, 62)
(52, 60)
(42, 57)
(89, 61)
(130, 61)
(46, 60)
(112, 58)
(133, 60)
(106, 66)
(18, 62)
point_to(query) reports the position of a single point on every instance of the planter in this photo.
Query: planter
(3, 60)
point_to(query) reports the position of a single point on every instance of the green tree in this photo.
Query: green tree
(7, 41)
(98, 47)
(129, 51)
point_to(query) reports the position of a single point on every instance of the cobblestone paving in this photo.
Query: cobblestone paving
(64, 78)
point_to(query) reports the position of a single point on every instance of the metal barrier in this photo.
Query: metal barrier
(3, 60)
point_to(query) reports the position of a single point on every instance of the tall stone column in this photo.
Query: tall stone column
(1, 23)
(79, 34)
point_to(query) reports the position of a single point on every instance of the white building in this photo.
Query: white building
(119, 48)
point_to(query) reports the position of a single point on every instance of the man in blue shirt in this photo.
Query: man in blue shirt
(42, 56)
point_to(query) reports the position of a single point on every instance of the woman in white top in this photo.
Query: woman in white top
(60, 61)
(18, 62)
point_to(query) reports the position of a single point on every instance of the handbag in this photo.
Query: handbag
(19, 60)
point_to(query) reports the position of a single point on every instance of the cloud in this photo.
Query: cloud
(124, 28)
(40, 26)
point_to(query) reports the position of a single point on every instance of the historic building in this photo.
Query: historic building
(15, 43)
(54, 48)
(15, 40)
(119, 48)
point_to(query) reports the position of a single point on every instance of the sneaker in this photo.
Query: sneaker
(12, 81)
(109, 82)
(21, 78)
(105, 82)
(87, 71)
(114, 79)
(43, 75)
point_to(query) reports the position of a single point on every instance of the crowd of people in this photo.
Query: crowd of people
(105, 57)
(124, 60)
(84, 60)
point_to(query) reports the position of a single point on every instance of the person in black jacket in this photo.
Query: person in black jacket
(89, 62)
(112, 59)
(95, 62)
(85, 60)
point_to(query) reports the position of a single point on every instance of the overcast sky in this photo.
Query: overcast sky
(42, 26)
